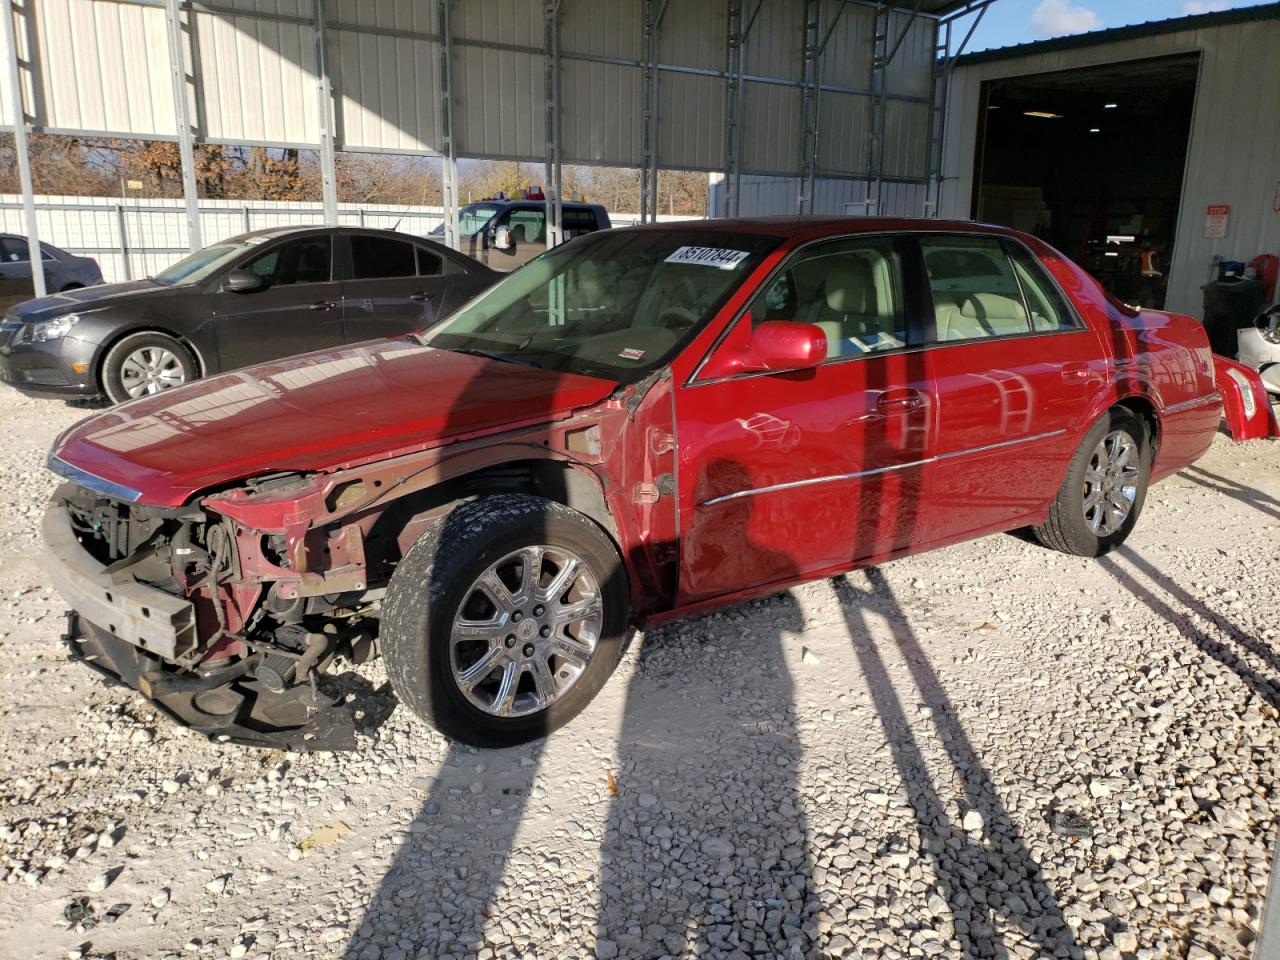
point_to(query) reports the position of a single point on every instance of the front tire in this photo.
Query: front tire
(145, 363)
(1105, 488)
(505, 619)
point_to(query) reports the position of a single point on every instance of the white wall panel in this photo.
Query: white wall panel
(1234, 152)
(775, 47)
(694, 34)
(517, 22)
(387, 91)
(771, 115)
(258, 79)
(601, 117)
(773, 196)
(99, 65)
(842, 132)
(612, 29)
(413, 16)
(846, 61)
(499, 103)
(691, 120)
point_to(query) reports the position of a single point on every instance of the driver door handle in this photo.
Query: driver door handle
(323, 305)
(420, 295)
(899, 401)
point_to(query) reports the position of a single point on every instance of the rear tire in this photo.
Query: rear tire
(484, 641)
(1105, 488)
(146, 363)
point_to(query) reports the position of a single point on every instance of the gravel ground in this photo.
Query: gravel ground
(878, 766)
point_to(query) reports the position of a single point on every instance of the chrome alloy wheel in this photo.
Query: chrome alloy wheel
(525, 631)
(150, 370)
(1111, 483)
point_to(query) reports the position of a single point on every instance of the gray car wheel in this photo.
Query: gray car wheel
(142, 364)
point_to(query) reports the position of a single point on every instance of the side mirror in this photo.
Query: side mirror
(245, 281)
(503, 240)
(785, 345)
(777, 346)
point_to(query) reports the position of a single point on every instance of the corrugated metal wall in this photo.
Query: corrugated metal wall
(103, 66)
(766, 196)
(1233, 156)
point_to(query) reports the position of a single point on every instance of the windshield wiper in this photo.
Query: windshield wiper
(489, 355)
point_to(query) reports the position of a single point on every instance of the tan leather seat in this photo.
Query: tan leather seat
(972, 316)
(848, 305)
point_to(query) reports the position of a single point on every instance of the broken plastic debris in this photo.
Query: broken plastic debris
(323, 836)
(1068, 823)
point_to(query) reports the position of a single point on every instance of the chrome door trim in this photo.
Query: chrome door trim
(835, 478)
(1204, 401)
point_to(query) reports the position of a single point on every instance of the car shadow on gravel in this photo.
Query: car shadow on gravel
(1229, 655)
(986, 873)
(1249, 496)
(707, 850)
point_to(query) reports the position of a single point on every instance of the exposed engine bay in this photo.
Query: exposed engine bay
(182, 620)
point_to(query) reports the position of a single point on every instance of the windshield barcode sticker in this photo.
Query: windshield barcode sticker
(709, 257)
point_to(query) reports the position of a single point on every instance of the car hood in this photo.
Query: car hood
(318, 411)
(84, 298)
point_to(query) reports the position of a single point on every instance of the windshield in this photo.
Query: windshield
(616, 304)
(200, 265)
(471, 219)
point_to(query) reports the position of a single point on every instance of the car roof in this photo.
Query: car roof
(564, 204)
(802, 227)
(274, 232)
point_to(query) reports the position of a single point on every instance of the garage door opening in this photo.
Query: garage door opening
(1092, 161)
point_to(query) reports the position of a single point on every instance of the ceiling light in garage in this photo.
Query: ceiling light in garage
(1110, 106)
(1095, 129)
(1042, 114)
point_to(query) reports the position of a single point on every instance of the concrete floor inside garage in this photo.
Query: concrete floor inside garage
(870, 767)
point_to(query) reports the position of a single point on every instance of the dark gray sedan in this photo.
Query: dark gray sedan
(256, 297)
(62, 270)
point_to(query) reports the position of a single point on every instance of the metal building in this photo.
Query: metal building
(814, 90)
(1196, 173)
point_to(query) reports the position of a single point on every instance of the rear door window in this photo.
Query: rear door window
(429, 264)
(1049, 311)
(381, 258)
(976, 294)
(578, 222)
(14, 250)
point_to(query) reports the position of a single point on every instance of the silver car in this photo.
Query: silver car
(1260, 347)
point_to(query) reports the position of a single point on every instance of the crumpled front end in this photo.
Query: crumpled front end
(162, 602)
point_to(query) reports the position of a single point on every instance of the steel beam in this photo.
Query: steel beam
(654, 11)
(735, 99)
(19, 111)
(449, 157)
(551, 60)
(876, 112)
(945, 58)
(182, 112)
(815, 45)
(324, 93)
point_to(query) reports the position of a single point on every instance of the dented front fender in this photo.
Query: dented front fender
(1244, 401)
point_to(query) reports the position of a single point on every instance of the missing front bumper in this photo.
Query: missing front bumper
(231, 707)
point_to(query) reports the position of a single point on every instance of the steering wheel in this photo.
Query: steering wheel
(686, 318)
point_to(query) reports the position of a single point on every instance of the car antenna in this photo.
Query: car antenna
(396, 225)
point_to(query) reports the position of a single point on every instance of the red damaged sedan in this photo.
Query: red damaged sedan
(637, 425)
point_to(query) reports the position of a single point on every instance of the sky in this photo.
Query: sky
(1010, 22)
